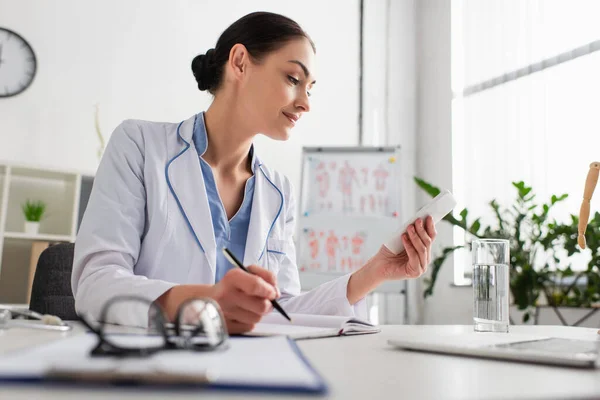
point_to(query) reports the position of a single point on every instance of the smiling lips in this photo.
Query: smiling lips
(292, 117)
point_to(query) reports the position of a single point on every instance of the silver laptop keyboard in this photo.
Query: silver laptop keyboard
(554, 345)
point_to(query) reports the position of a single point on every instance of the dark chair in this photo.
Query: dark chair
(51, 290)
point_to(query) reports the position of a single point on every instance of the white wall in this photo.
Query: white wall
(133, 59)
(448, 305)
(415, 97)
(401, 113)
(389, 109)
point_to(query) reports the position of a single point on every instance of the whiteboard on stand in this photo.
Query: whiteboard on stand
(350, 202)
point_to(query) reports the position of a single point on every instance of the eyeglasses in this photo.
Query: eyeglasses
(199, 326)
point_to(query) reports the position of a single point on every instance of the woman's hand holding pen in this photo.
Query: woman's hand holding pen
(245, 298)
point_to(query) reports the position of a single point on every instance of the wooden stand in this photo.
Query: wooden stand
(584, 212)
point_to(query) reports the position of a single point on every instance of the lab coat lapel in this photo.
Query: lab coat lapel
(267, 205)
(187, 185)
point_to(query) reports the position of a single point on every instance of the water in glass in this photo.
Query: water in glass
(490, 287)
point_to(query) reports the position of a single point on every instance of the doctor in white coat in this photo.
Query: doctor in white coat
(168, 197)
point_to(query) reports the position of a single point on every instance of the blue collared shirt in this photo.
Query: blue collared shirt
(233, 233)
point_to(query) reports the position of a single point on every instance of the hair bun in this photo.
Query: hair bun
(204, 69)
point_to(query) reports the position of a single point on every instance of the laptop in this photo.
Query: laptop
(506, 346)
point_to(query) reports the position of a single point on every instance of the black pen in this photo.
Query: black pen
(229, 255)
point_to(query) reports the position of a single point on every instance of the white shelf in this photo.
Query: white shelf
(61, 191)
(40, 236)
(14, 306)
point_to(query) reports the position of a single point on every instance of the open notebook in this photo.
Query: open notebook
(306, 326)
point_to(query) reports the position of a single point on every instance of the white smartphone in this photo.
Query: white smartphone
(438, 208)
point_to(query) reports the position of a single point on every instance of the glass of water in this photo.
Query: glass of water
(491, 258)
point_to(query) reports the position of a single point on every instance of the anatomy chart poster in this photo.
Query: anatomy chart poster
(351, 184)
(333, 250)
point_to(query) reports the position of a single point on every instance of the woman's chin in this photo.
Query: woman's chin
(281, 135)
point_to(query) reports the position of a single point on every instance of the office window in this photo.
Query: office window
(526, 105)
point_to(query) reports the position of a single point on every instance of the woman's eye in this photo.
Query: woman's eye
(295, 82)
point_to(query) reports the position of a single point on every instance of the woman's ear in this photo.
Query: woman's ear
(238, 61)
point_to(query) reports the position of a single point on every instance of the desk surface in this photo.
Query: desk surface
(365, 367)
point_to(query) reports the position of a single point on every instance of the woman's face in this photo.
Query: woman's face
(276, 91)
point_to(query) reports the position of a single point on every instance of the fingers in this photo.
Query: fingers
(418, 244)
(267, 275)
(251, 284)
(257, 305)
(411, 252)
(420, 228)
(239, 314)
(431, 228)
(242, 312)
(245, 297)
(426, 239)
(235, 327)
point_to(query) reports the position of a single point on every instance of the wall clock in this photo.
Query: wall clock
(18, 64)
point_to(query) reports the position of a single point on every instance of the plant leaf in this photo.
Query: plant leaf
(427, 187)
(475, 226)
(436, 265)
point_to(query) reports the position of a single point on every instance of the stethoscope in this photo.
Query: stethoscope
(46, 322)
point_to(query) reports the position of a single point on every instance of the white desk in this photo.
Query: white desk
(365, 368)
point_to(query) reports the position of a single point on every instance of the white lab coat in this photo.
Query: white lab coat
(147, 228)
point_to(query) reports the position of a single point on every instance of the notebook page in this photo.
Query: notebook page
(359, 327)
(305, 326)
(292, 331)
(321, 321)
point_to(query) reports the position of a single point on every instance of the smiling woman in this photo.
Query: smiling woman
(276, 71)
(169, 197)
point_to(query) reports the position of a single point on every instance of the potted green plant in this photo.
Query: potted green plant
(533, 238)
(583, 289)
(33, 212)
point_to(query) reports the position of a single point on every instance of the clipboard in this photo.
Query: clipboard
(273, 364)
(114, 376)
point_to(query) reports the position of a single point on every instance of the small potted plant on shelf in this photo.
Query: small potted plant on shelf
(33, 212)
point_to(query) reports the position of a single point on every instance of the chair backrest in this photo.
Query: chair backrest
(51, 291)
